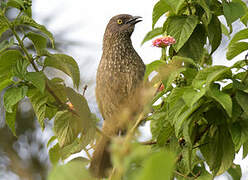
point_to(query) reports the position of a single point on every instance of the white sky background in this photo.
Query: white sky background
(89, 19)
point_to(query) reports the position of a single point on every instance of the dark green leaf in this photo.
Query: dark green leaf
(235, 49)
(158, 10)
(38, 40)
(11, 119)
(66, 64)
(235, 172)
(194, 47)
(245, 149)
(187, 25)
(38, 101)
(214, 33)
(155, 165)
(12, 96)
(19, 4)
(37, 79)
(153, 33)
(242, 99)
(222, 98)
(219, 151)
(3, 25)
(233, 11)
(191, 96)
(20, 68)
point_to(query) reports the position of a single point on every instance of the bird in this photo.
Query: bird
(120, 73)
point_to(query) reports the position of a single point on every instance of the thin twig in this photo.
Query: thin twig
(84, 89)
(148, 142)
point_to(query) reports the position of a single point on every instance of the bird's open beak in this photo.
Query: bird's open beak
(134, 20)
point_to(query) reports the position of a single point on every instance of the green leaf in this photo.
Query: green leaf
(38, 40)
(38, 102)
(214, 33)
(7, 60)
(206, 8)
(159, 165)
(175, 5)
(187, 25)
(222, 98)
(201, 78)
(5, 83)
(244, 19)
(242, 99)
(235, 172)
(12, 96)
(20, 68)
(10, 119)
(233, 11)
(38, 79)
(87, 123)
(159, 9)
(219, 150)
(245, 149)
(3, 25)
(25, 20)
(153, 33)
(224, 30)
(153, 66)
(191, 96)
(66, 64)
(243, 34)
(54, 154)
(19, 4)
(73, 170)
(6, 44)
(67, 127)
(194, 47)
(53, 138)
(235, 49)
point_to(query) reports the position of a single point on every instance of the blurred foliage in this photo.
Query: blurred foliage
(199, 113)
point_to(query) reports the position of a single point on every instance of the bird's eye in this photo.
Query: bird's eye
(119, 21)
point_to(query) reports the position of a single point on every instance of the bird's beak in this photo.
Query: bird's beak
(134, 20)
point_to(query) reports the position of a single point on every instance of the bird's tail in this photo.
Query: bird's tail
(101, 162)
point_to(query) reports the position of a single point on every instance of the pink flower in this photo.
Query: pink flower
(164, 41)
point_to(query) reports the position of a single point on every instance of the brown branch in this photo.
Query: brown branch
(148, 142)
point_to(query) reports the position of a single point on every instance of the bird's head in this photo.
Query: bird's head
(122, 24)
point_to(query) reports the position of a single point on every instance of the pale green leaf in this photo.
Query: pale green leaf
(38, 101)
(54, 154)
(187, 25)
(67, 126)
(5, 83)
(3, 25)
(38, 40)
(7, 60)
(10, 119)
(224, 30)
(73, 170)
(12, 96)
(191, 96)
(243, 34)
(159, 165)
(38, 79)
(153, 66)
(66, 64)
(235, 49)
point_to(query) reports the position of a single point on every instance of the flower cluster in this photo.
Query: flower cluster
(164, 41)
